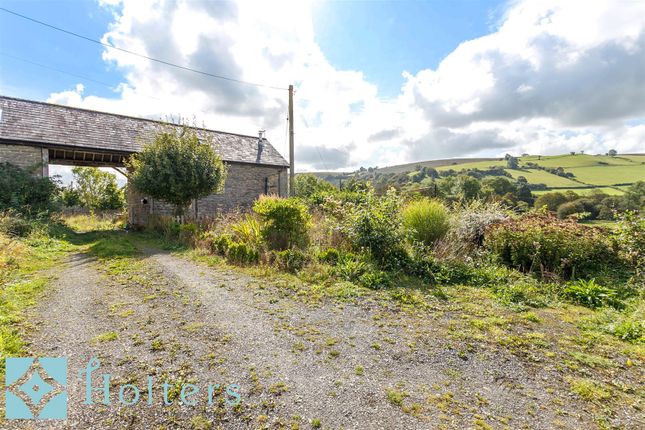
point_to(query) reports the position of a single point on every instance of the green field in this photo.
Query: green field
(592, 172)
(582, 160)
(485, 164)
(609, 175)
(451, 163)
(612, 191)
(535, 176)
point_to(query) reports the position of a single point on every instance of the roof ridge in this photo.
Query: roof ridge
(124, 116)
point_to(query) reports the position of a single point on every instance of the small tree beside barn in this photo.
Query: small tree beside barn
(177, 168)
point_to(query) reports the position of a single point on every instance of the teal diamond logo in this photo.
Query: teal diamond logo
(36, 389)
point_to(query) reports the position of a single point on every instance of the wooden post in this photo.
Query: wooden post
(291, 157)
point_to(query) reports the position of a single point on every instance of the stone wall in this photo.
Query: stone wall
(244, 184)
(31, 158)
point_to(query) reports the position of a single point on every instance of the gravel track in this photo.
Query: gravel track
(349, 365)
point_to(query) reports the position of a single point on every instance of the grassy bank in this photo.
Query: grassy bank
(29, 264)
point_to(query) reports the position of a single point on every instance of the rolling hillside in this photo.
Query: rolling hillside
(608, 174)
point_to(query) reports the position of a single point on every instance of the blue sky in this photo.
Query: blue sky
(383, 38)
(35, 43)
(379, 38)
(377, 82)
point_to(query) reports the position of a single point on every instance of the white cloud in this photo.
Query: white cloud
(553, 77)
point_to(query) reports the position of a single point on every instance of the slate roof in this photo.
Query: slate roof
(27, 121)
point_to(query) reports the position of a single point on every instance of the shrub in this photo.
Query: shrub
(468, 226)
(241, 253)
(329, 256)
(591, 295)
(219, 243)
(248, 231)
(375, 279)
(351, 269)
(285, 222)
(426, 219)
(630, 330)
(544, 245)
(24, 193)
(170, 229)
(565, 210)
(290, 260)
(630, 236)
(311, 187)
(376, 226)
(14, 226)
(551, 200)
(187, 233)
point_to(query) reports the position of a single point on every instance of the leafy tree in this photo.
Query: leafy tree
(551, 200)
(499, 186)
(524, 194)
(308, 185)
(635, 196)
(69, 197)
(512, 163)
(177, 168)
(469, 188)
(97, 189)
(612, 153)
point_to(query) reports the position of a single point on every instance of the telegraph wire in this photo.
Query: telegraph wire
(167, 63)
(44, 66)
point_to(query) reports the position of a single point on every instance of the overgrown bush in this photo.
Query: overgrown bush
(188, 233)
(468, 226)
(311, 187)
(375, 279)
(351, 269)
(285, 222)
(218, 243)
(591, 295)
(247, 230)
(290, 260)
(630, 236)
(24, 193)
(426, 219)
(241, 253)
(14, 226)
(551, 200)
(329, 256)
(548, 247)
(565, 210)
(235, 252)
(376, 226)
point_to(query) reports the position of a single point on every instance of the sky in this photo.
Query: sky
(377, 82)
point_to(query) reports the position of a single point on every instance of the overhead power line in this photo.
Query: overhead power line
(86, 78)
(109, 45)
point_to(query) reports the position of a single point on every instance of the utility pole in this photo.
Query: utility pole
(292, 171)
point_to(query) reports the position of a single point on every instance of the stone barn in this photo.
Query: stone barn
(34, 135)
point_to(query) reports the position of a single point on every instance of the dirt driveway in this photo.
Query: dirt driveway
(264, 355)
